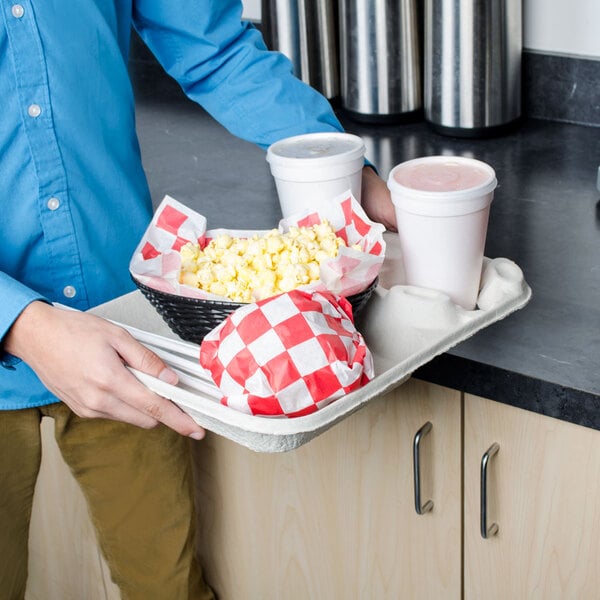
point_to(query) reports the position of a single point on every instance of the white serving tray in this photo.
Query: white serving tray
(404, 327)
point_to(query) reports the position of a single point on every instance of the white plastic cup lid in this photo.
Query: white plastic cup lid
(443, 185)
(312, 149)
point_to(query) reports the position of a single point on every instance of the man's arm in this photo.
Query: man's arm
(223, 64)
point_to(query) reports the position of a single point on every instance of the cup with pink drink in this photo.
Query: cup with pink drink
(442, 207)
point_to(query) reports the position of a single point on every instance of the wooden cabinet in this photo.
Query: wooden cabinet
(544, 494)
(336, 518)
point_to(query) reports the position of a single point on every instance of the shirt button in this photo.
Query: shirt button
(53, 203)
(69, 291)
(17, 11)
(34, 110)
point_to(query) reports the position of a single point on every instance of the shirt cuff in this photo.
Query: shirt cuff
(15, 298)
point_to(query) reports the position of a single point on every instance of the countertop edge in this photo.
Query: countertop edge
(514, 389)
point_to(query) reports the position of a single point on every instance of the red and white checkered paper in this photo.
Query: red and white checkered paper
(288, 355)
(156, 261)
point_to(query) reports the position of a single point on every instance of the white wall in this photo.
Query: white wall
(550, 26)
(562, 26)
(251, 10)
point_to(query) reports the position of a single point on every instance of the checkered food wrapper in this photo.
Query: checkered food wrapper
(287, 355)
(156, 261)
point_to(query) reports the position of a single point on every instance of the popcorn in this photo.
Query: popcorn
(175, 257)
(251, 269)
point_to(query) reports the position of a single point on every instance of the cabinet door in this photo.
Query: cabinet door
(335, 519)
(543, 493)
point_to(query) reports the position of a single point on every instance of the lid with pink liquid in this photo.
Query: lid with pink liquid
(446, 184)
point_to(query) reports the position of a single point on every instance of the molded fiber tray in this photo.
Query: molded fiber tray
(405, 327)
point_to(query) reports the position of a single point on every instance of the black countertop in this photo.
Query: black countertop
(545, 216)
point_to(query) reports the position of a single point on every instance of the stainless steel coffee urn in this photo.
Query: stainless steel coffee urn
(306, 32)
(472, 66)
(380, 60)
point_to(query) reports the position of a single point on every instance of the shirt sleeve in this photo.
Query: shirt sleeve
(223, 64)
(15, 297)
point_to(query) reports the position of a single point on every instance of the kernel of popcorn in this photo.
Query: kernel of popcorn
(285, 257)
(211, 252)
(253, 248)
(314, 270)
(303, 256)
(189, 278)
(224, 273)
(241, 245)
(245, 274)
(330, 247)
(189, 265)
(205, 275)
(322, 230)
(265, 285)
(274, 244)
(308, 233)
(262, 263)
(217, 288)
(237, 291)
(267, 278)
(312, 246)
(233, 259)
(321, 256)
(287, 284)
(301, 272)
(189, 251)
(223, 241)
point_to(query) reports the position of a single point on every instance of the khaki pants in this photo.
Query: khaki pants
(138, 486)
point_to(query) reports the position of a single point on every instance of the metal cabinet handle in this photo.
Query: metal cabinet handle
(421, 509)
(485, 459)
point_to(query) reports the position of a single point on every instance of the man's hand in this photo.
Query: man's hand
(81, 359)
(376, 199)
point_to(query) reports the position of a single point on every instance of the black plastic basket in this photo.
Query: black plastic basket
(192, 318)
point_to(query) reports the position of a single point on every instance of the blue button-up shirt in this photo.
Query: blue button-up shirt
(74, 197)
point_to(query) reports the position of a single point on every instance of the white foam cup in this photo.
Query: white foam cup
(442, 208)
(314, 168)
